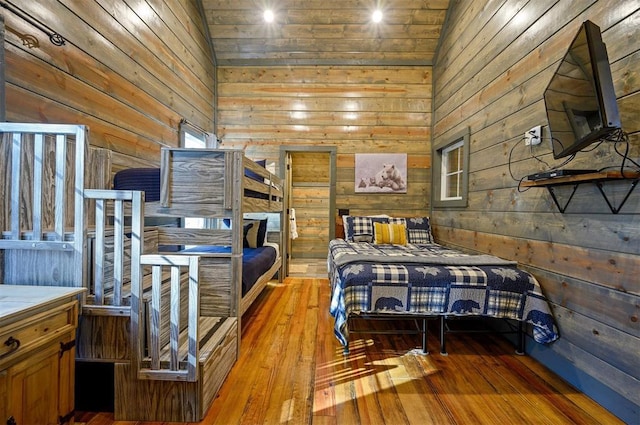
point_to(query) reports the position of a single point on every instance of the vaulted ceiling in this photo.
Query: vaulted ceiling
(327, 32)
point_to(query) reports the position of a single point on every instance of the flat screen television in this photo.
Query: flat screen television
(580, 99)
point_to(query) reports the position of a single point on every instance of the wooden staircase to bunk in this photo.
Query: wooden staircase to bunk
(169, 323)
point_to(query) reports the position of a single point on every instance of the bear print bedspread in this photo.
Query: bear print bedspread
(432, 280)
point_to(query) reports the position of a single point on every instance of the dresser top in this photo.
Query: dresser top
(18, 300)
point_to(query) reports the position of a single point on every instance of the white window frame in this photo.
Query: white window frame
(447, 175)
(442, 175)
(192, 137)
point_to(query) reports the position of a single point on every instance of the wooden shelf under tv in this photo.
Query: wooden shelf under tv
(597, 178)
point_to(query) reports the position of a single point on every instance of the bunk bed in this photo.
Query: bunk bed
(391, 268)
(169, 322)
(261, 258)
(259, 266)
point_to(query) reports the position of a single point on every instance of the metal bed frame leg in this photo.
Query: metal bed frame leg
(521, 340)
(425, 351)
(443, 347)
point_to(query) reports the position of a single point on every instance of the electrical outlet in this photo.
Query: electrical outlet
(533, 136)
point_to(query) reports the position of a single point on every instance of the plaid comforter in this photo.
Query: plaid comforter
(432, 280)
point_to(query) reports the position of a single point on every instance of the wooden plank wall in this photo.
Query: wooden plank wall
(357, 109)
(494, 63)
(130, 70)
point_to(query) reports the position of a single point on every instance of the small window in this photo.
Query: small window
(451, 168)
(195, 138)
(193, 142)
(452, 172)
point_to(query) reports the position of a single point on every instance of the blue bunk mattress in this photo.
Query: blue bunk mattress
(255, 261)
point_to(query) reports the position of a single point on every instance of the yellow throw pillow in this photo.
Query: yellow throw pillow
(390, 234)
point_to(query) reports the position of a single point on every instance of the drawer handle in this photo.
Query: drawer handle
(13, 343)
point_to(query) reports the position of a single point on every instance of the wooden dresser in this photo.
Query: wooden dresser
(37, 355)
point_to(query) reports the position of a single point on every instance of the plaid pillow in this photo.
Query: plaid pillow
(360, 229)
(398, 220)
(419, 230)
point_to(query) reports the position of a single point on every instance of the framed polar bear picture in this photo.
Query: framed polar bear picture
(381, 173)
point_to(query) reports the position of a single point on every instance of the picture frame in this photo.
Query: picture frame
(380, 173)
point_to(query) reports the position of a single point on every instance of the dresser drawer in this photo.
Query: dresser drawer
(24, 335)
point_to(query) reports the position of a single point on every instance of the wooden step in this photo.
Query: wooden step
(179, 401)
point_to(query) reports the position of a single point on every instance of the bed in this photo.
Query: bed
(260, 260)
(390, 266)
(167, 321)
(218, 186)
(259, 265)
(255, 261)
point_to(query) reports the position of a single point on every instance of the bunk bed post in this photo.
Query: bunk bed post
(79, 219)
(137, 287)
(165, 160)
(194, 318)
(233, 200)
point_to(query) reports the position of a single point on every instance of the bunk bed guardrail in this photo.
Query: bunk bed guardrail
(111, 297)
(48, 227)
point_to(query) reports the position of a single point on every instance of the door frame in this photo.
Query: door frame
(286, 177)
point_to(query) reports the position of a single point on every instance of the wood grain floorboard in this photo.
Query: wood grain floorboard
(291, 370)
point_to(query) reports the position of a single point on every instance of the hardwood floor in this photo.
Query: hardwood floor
(308, 267)
(291, 370)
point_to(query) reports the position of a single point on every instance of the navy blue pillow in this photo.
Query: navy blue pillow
(254, 233)
(256, 176)
(145, 179)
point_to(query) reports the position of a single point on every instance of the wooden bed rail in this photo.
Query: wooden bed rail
(26, 149)
(271, 188)
(20, 134)
(111, 203)
(209, 183)
(193, 182)
(148, 360)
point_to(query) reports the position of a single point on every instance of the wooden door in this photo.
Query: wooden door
(286, 226)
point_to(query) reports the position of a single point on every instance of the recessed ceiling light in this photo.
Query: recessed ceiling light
(268, 15)
(377, 16)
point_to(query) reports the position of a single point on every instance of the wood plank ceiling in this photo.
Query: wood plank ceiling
(325, 32)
